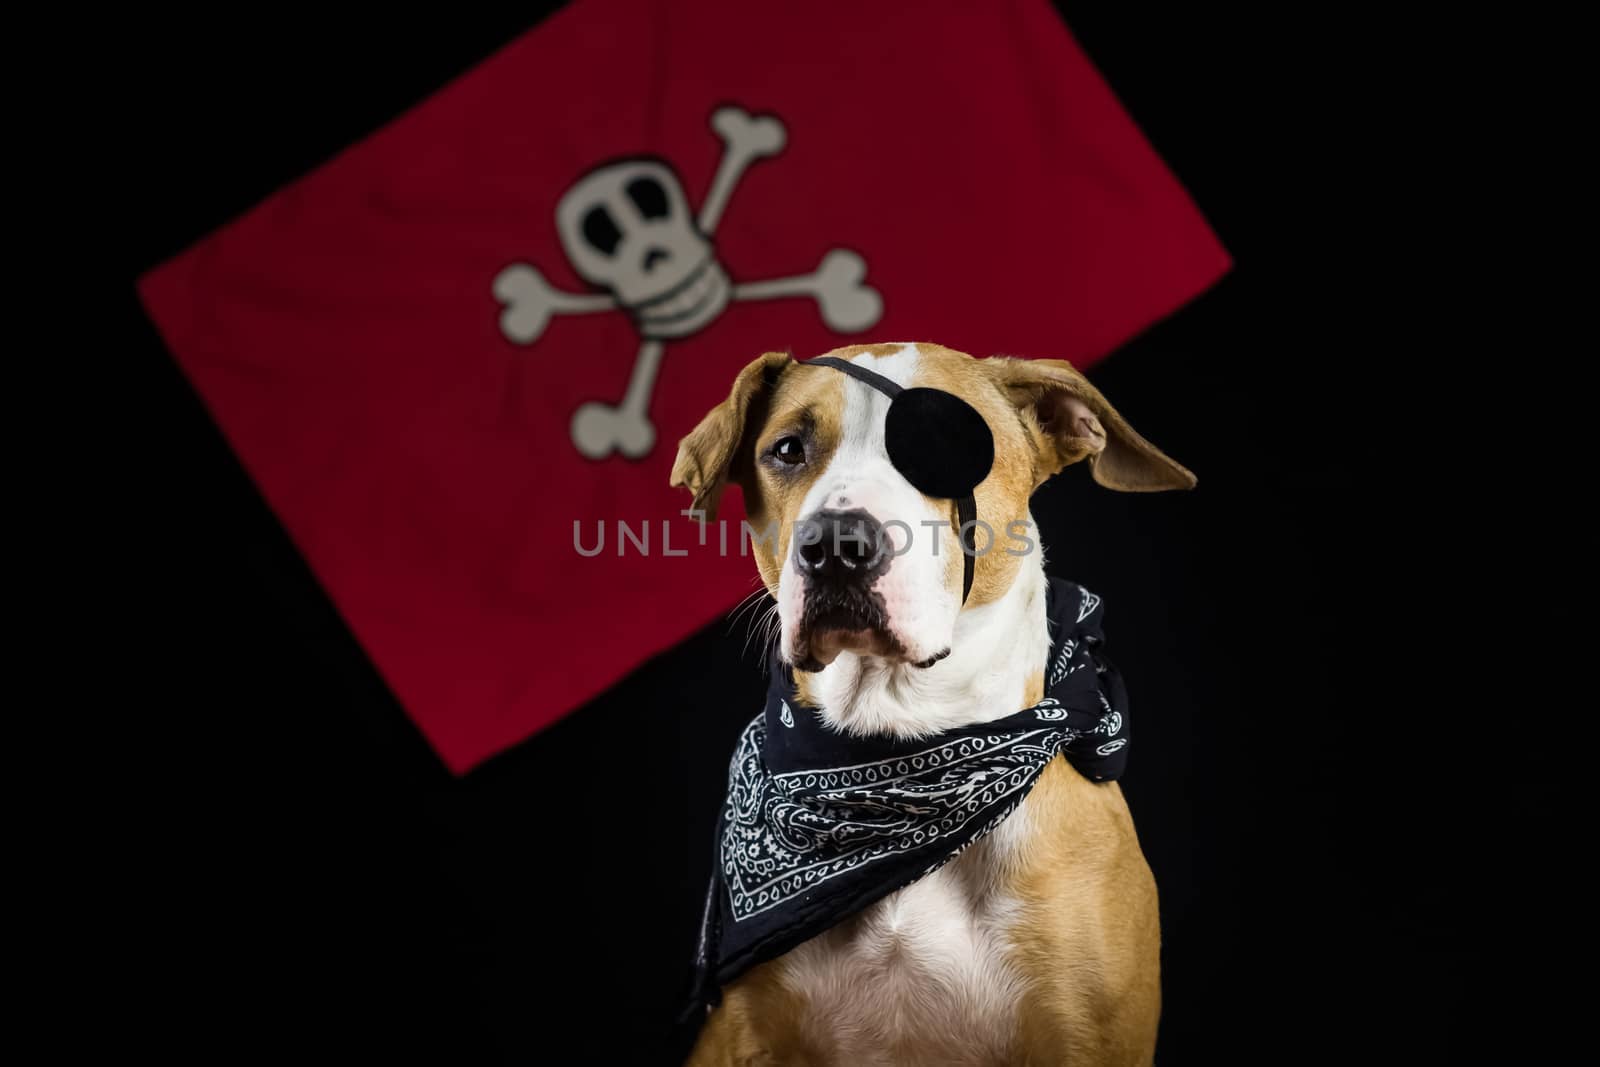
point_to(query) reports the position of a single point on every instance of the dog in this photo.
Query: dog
(1039, 943)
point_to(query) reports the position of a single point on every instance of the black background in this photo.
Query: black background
(290, 870)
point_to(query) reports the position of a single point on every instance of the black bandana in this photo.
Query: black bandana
(818, 824)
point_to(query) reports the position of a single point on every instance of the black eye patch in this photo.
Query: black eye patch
(937, 441)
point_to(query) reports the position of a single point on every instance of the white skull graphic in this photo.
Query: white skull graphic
(626, 226)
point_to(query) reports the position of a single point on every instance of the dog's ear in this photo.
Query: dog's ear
(707, 457)
(1073, 421)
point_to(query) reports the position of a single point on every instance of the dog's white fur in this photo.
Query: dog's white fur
(922, 976)
(920, 603)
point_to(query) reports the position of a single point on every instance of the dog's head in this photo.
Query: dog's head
(858, 558)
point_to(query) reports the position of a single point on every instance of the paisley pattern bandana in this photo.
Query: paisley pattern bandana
(818, 825)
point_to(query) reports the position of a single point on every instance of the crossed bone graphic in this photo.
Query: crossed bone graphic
(626, 228)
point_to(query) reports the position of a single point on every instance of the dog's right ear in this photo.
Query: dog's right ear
(706, 458)
(1074, 421)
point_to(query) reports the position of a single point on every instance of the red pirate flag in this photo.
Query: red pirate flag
(495, 317)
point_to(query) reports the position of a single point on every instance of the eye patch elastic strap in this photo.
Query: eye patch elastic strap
(933, 417)
(887, 386)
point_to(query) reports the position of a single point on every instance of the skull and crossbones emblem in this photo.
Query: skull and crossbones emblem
(626, 228)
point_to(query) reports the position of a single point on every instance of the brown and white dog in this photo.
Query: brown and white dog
(1040, 943)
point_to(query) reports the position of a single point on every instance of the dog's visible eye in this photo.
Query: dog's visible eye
(790, 451)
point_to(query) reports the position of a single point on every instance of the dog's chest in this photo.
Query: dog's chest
(923, 976)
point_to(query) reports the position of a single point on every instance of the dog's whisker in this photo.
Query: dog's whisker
(758, 622)
(763, 624)
(748, 603)
(772, 627)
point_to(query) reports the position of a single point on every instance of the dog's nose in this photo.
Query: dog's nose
(840, 546)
